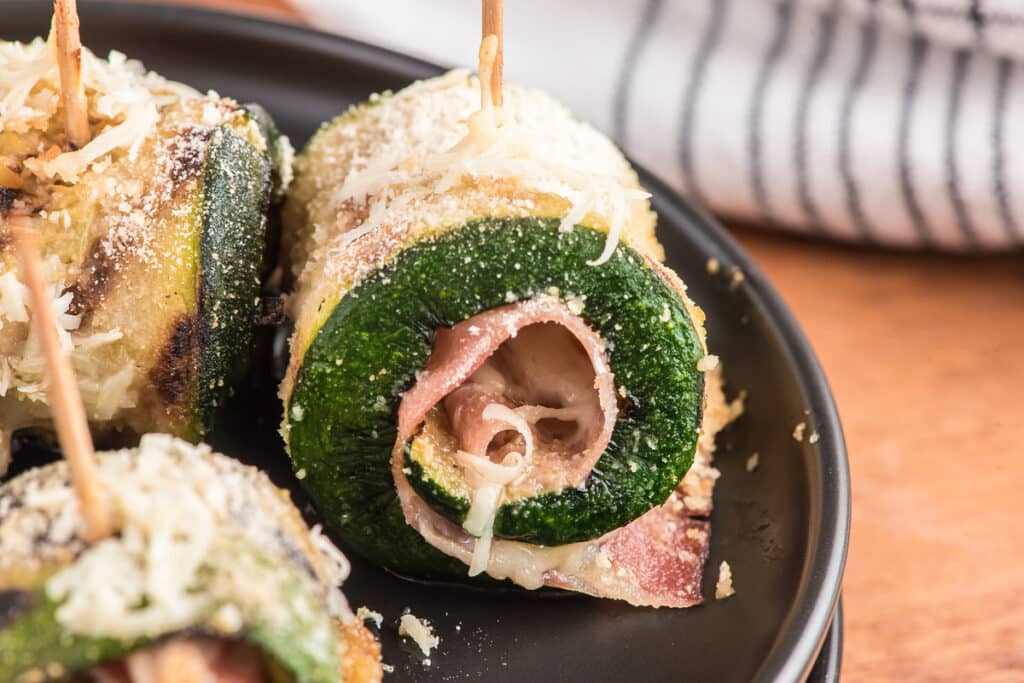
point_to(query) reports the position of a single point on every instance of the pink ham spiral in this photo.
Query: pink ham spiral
(655, 560)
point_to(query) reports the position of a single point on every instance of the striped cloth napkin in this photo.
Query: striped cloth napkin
(895, 122)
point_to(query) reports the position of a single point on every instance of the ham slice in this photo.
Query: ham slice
(187, 660)
(656, 560)
(538, 358)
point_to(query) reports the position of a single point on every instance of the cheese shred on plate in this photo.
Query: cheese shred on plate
(420, 631)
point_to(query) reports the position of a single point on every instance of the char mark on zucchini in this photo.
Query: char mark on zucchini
(7, 197)
(175, 369)
(188, 151)
(13, 603)
(94, 276)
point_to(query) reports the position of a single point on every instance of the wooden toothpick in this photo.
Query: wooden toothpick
(493, 24)
(65, 400)
(69, 60)
(487, 55)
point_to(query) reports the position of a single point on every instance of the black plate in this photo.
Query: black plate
(782, 528)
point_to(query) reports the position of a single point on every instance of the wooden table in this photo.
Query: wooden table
(926, 357)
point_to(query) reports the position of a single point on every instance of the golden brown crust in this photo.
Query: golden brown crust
(361, 661)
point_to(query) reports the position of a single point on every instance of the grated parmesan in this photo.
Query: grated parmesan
(531, 140)
(753, 461)
(798, 431)
(420, 631)
(189, 548)
(124, 94)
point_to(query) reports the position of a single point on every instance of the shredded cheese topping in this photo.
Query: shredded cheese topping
(109, 217)
(202, 539)
(26, 373)
(414, 164)
(122, 93)
(533, 141)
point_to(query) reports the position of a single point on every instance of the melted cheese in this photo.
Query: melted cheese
(487, 481)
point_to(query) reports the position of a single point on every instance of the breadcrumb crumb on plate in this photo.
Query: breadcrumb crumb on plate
(724, 588)
(798, 431)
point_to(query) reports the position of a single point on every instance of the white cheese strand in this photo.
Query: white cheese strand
(480, 523)
(488, 480)
(501, 413)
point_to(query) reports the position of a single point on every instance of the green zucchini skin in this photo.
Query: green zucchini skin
(33, 640)
(347, 406)
(237, 187)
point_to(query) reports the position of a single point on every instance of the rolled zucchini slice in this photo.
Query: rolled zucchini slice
(212, 574)
(153, 235)
(491, 371)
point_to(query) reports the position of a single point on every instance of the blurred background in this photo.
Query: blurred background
(869, 155)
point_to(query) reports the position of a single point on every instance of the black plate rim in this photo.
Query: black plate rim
(803, 635)
(794, 654)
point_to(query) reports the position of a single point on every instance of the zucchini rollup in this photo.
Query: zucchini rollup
(153, 236)
(490, 366)
(213, 576)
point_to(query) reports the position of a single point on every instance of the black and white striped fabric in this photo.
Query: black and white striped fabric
(895, 122)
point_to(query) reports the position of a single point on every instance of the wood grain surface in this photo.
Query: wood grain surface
(925, 356)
